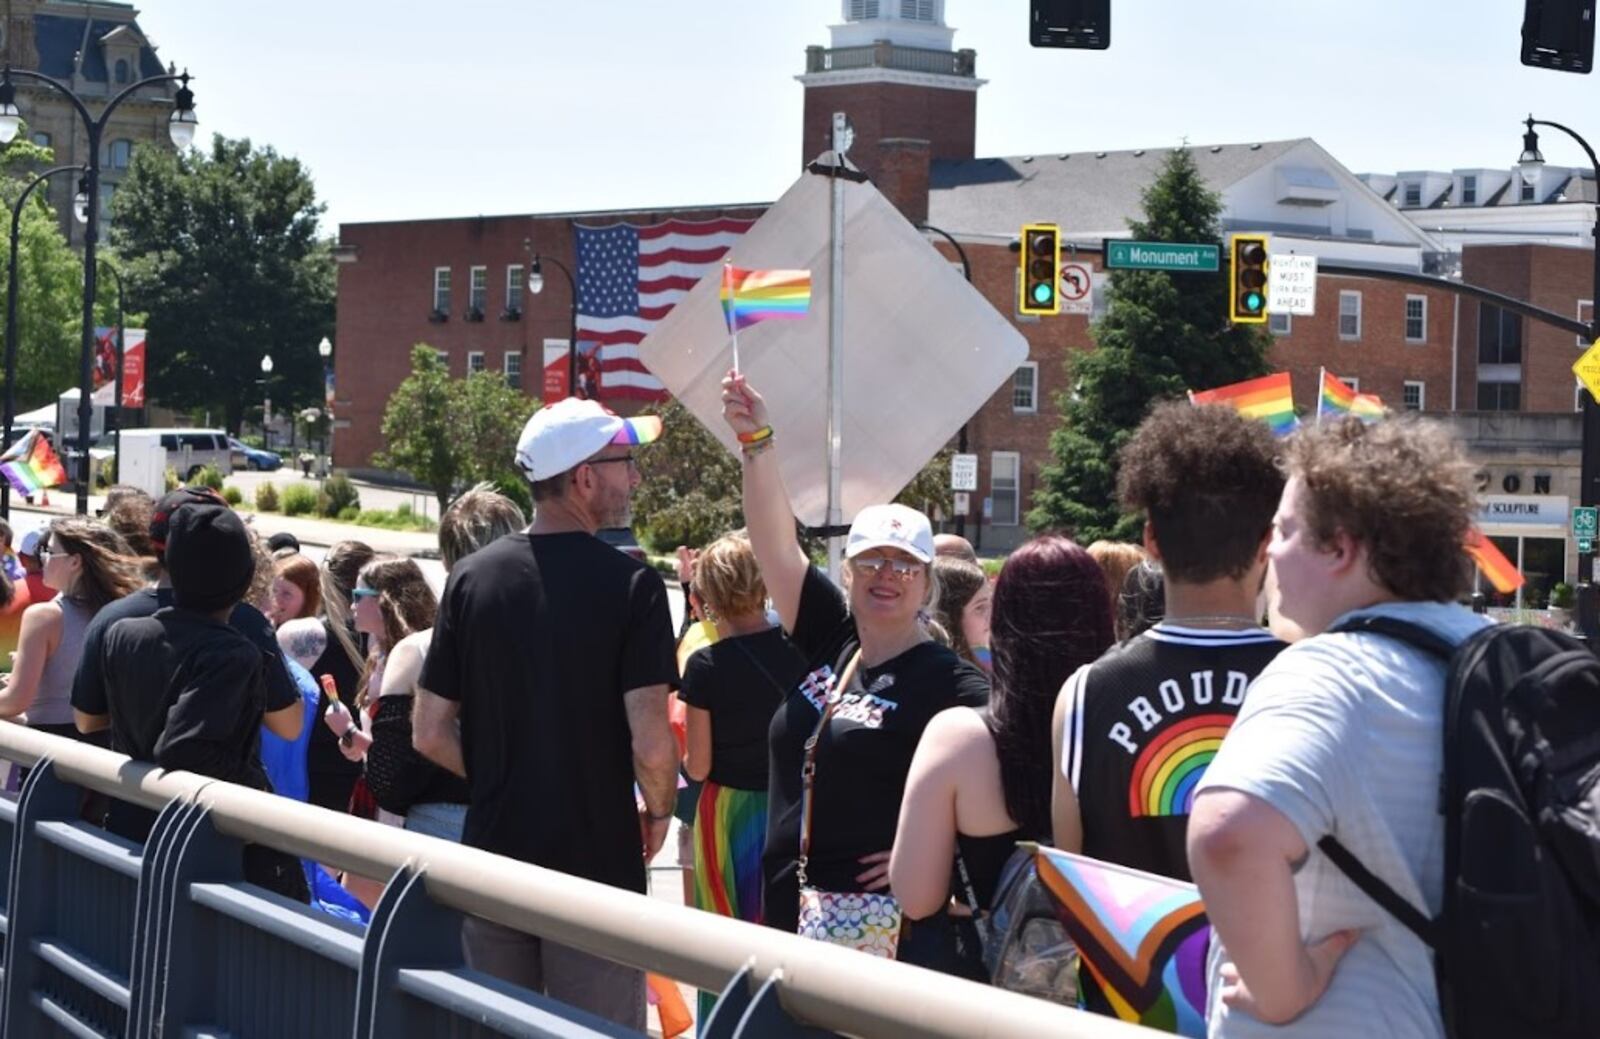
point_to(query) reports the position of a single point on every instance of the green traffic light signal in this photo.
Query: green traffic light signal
(1042, 293)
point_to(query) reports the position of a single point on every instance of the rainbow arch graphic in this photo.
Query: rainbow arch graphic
(1169, 768)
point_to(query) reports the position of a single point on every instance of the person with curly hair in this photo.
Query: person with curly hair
(1340, 735)
(980, 780)
(1133, 730)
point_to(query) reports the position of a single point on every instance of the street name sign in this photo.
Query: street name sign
(963, 472)
(1077, 288)
(1122, 255)
(1587, 369)
(1292, 284)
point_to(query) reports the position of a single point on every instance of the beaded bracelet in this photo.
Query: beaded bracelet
(756, 436)
(751, 450)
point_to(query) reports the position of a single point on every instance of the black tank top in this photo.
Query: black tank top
(1143, 722)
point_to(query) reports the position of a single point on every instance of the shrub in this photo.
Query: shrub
(1562, 597)
(341, 493)
(171, 479)
(299, 500)
(350, 514)
(266, 497)
(209, 476)
(232, 495)
(403, 510)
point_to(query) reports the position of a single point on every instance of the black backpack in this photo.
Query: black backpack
(1517, 944)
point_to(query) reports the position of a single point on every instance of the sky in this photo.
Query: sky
(404, 110)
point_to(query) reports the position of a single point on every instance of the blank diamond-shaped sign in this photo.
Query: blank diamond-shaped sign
(922, 348)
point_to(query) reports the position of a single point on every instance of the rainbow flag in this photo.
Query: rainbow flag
(1501, 572)
(752, 296)
(1268, 398)
(1337, 399)
(31, 465)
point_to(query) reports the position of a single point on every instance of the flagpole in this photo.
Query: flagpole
(836, 348)
(729, 310)
(1322, 380)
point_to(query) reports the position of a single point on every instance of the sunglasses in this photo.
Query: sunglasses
(872, 566)
(364, 593)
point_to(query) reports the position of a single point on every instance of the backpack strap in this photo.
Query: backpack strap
(1395, 628)
(1378, 891)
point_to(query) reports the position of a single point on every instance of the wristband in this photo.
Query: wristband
(751, 450)
(347, 737)
(755, 436)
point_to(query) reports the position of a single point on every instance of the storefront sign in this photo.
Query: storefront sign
(1524, 510)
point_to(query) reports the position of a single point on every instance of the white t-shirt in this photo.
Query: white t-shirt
(1343, 734)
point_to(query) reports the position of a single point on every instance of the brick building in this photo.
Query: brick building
(97, 49)
(911, 99)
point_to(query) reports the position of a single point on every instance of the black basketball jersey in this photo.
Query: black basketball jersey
(1142, 724)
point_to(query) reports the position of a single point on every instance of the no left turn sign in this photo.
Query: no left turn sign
(1077, 288)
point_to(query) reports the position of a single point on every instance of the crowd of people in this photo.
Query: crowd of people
(876, 747)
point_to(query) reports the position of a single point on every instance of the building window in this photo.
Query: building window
(478, 290)
(1413, 195)
(119, 154)
(41, 138)
(441, 290)
(1586, 315)
(1499, 336)
(1413, 395)
(916, 10)
(1469, 190)
(1499, 396)
(1526, 192)
(1349, 315)
(444, 358)
(121, 70)
(1352, 381)
(513, 369)
(514, 288)
(1025, 388)
(1280, 324)
(860, 10)
(474, 362)
(1004, 469)
(1543, 561)
(1416, 319)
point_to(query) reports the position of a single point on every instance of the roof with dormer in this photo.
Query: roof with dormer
(61, 37)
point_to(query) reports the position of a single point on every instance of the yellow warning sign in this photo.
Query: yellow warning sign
(1587, 369)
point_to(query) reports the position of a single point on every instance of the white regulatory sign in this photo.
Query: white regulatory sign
(963, 472)
(1292, 284)
(1077, 288)
(962, 503)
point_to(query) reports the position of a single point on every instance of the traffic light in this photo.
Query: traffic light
(1041, 269)
(1558, 34)
(1078, 24)
(1247, 305)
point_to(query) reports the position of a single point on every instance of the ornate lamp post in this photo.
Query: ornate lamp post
(536, 286)
(266, 401)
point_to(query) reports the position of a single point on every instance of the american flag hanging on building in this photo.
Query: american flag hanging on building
(629, 277)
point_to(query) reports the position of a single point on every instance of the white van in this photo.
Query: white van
(188, 450)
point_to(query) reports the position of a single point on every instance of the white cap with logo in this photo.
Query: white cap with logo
(559, 437)
(891, 526)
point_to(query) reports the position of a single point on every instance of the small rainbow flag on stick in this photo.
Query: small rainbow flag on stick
(1500, 571)
(31, 465)
(1338, 399)
(752, 296)
(1268, 398)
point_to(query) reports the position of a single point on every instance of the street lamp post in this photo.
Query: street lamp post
(266, 401)
(181, 125)
(11, 324)
(325, 351)
(536, 286)
(1589, 464)
(115, 414)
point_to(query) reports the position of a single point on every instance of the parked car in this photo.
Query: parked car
(255, 457)
(188, 450)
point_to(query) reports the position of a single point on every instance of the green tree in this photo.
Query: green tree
(221, 249)
(489, 419)
(1162, 334)
(49, 282)
(929, 490)
(689, 492)
(421, 429)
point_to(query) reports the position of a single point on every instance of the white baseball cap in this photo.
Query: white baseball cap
(571, 430)
(29, 545)
(891, 526)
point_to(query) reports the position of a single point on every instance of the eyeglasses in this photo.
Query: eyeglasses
(872, 566)
(620, 458)
(45, 552)
(364, 593)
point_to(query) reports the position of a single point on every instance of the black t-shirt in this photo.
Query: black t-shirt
(863, 756)
(322, 753)
(741, 681)
(1142, 724)
(90, 682)
(538, 637)
(188, 692)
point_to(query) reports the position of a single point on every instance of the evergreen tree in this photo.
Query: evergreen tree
(1162, 334)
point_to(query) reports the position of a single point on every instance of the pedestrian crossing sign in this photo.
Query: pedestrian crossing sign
(1587, 369)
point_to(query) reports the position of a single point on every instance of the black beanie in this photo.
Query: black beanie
(209, 557)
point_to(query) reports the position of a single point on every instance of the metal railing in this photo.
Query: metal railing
(105, 937)
(885, 55)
